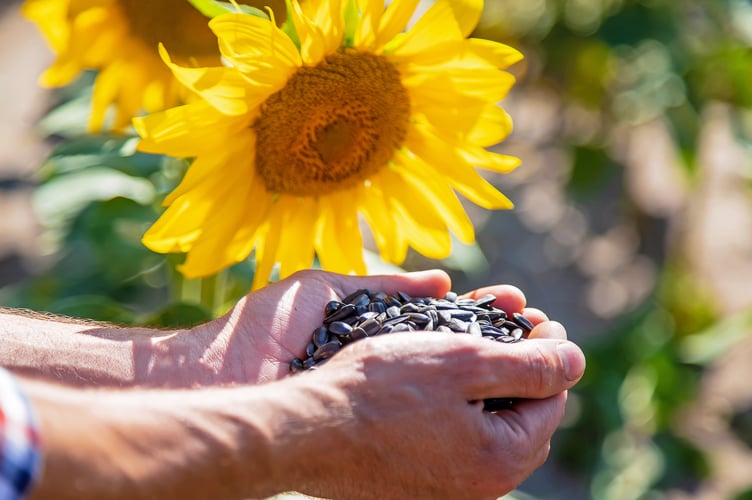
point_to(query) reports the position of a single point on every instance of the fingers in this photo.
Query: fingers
(534, 369)
(529, 426)
(431, 283)
(509, 298)
(549, 330)
(534, 315)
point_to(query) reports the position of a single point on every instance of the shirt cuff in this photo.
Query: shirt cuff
(20, 451)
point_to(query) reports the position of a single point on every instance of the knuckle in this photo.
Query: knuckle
(542, 366)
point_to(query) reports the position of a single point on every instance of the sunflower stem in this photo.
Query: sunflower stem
(208, 293)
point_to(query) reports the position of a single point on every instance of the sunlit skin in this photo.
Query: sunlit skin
(378, 405)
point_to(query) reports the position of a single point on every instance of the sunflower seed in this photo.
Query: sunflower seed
(365, 314)
(523, 321)
(343, 311)
(326, 351)
(340, 328)
(320, 336)
(486, 300)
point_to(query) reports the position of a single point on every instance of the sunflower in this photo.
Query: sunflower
(298, 135)
(119, 39)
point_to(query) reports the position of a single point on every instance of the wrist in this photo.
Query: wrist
(309, 429)
(177, 359)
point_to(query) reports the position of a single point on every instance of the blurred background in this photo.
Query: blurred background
(632, 226)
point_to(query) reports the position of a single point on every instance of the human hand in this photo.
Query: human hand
(392, 416)
(256, 340)
(265, 330)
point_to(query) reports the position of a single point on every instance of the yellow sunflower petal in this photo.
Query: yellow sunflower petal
(500, 55)
(392, 246)
(187, 131)
(312, 45)
(210, 252)
(319, 27)
(437, 25)
(339, 243)
(467, 13)
(223, 88)
(488, 160)
(182, 223)
(446, 108)
(260, 201)
(251, 43)
(77, 52)
(368, 23)
(199, 197)
(432, 242)
(493, 126)
(170, 233)
(105, 91)
(50, 16)
(467, 76)
(433, 149)
(267, 246)
(234, 159)
(436, 194)
(296, 248)
(394, 20)
(414, 207)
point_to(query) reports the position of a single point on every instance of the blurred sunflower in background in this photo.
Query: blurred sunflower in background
(119, 40)
(350, 111)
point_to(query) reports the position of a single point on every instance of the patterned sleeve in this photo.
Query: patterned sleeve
(20, 454)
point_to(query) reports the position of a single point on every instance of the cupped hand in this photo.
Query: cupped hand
(256, 340)
(395, 417)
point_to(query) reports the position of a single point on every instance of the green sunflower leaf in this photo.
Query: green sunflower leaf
(213, 8)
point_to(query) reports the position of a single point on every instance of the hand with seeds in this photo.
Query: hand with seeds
(266, 330)
(403, 412)
(399, 415)
(393, 414)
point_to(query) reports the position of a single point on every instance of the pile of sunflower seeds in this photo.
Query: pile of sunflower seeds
(366, 314)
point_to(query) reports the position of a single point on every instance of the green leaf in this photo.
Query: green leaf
(65, 196)
(214, 8)
(704, 347)
(70, 119)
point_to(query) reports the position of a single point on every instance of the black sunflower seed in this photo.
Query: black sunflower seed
(364, 314)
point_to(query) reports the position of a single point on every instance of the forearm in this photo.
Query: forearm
(86, 353)
(155, 444)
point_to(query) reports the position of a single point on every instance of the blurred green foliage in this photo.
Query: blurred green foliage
(626, 62)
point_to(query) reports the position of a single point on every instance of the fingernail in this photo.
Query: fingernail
(572, 359)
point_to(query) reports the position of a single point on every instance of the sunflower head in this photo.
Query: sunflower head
(356, 116)
(119, 40)
(348, 113)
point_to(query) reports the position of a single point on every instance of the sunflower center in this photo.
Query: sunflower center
(332, 125)
(179, 26)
